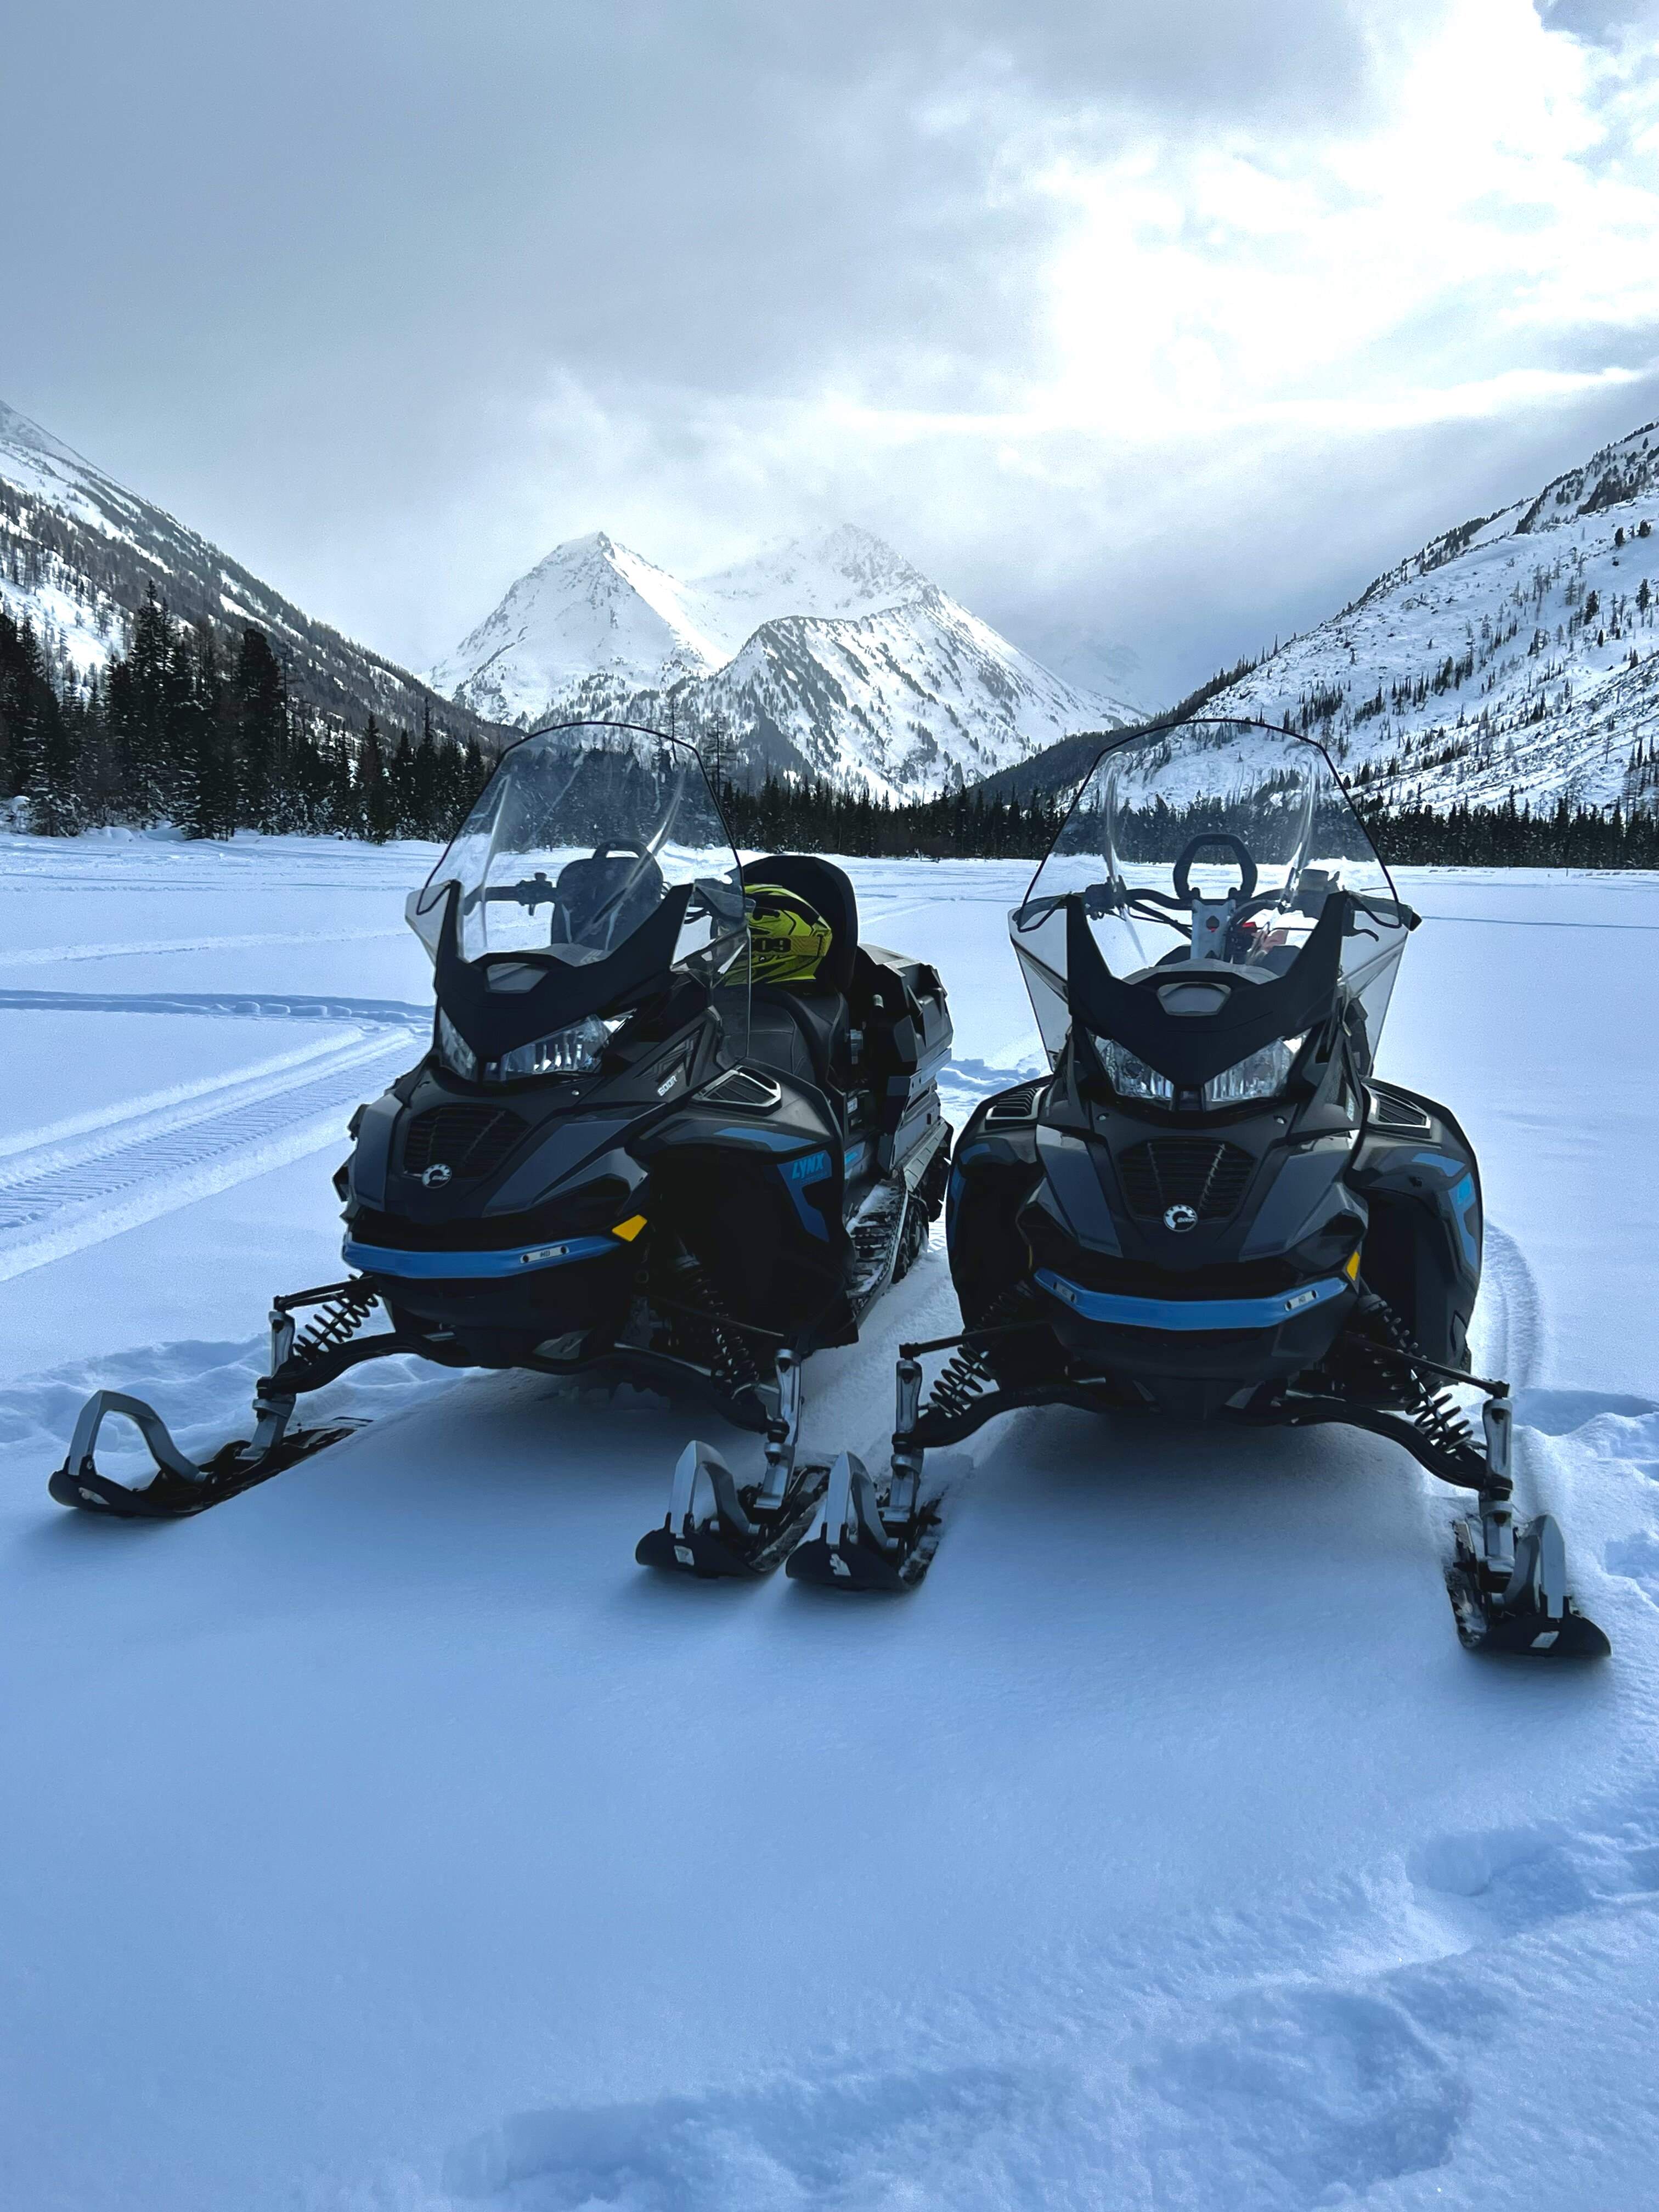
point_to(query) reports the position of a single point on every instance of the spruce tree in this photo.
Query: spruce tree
(261, 712)
(375, 818)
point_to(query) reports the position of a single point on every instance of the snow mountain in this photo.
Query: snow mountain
(78, 552)
(1517, 653)
(828, 655)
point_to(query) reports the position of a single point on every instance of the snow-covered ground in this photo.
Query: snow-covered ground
(386, 1841)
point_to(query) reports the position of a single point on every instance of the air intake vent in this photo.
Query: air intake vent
(469, 1140)
(1193, 1171)
(1019, 1105)
(1390, 1111)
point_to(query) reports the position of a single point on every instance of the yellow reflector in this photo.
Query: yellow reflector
(1351, 1270)
(628, 1230)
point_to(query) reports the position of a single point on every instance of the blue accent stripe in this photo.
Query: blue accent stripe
(459, 1266)
(1193, 1314)
(770, 1140)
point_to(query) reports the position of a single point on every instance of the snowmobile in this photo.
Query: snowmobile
(1211, 1206)
(677, 1128)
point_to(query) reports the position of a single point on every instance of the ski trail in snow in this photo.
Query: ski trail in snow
(69, 1192)
(48, 956)
(1510, 1322)
(249, 1006)
(51, 1144)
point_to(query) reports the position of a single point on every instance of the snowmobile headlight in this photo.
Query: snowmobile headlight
(1259, 1075)
(454, 1050)
(1130, 1078)
(576, 1051)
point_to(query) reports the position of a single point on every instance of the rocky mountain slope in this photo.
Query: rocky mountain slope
(1516, 653)
(78, 551)
(829, 655)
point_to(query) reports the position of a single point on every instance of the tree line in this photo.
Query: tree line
(1509, 836)
(814, 816)
(175, 729)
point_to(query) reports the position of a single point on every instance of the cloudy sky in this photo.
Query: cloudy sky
(1159, 328)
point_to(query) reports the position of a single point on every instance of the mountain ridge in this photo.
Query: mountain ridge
(829, 655)
(1514, 653)
(79, 551)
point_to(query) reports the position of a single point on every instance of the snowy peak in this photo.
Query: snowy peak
(593, 608)
(828, 654)
(1517, 653)
(838, 572)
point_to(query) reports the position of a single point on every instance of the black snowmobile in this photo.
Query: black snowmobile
(1211, 1207)
(677, 1128)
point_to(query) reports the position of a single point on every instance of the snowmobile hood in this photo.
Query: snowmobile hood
(1192, 1047)
(506, 1000)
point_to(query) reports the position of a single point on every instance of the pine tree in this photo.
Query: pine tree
(376, 817)
(261, 711)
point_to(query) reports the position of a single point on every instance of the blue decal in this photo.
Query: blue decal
(1463, 1213)
(855, 1156)
(457, 1266)
(798, 1176)
(770, 1140)
(1188, 1313)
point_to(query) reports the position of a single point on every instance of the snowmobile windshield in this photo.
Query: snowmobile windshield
(1218, 871)
(594, 871)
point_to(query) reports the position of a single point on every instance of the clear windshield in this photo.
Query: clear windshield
(576, 841)
(1209, 841)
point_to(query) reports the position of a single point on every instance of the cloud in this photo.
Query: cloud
(1166, 326)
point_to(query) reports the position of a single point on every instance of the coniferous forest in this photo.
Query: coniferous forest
(177, 729)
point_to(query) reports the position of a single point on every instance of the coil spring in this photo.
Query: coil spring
(727, 1355)
(967, 1374)
(1435, 1413)
(335, 1323)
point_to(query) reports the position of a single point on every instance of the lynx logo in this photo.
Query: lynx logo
(814, 1167)
(437, 1175)
(1180, 1218)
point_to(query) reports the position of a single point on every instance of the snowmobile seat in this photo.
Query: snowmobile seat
(585, 888)
(800, 1029)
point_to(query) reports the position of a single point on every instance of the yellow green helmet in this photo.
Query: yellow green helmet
(788, 937)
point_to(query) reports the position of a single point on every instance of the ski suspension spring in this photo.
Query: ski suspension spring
(967, 1374)
(335, 1324)
(1436, 1414)
(729, 1359)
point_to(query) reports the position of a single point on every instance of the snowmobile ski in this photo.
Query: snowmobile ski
(874, 1536)
(300, 1359)
(868, 1536)
(179, 1487)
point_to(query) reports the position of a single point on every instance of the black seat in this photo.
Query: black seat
(800, 1029)
(601, 900)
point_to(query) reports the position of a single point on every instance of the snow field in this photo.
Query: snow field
(385, 1841)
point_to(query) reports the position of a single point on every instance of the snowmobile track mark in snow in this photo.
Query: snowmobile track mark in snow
(79, 1191)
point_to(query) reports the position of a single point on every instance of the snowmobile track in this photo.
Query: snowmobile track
(67, 1191)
